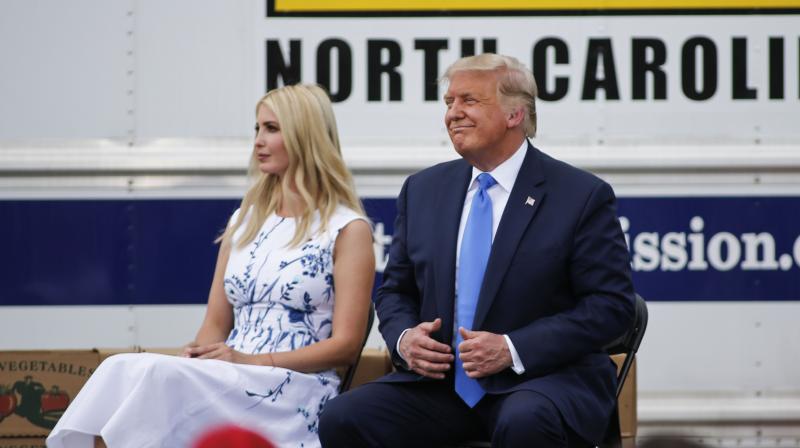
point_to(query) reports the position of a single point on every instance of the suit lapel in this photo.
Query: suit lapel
(449, 205)
(523, 202)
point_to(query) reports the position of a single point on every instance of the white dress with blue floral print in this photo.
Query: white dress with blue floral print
(282, 300)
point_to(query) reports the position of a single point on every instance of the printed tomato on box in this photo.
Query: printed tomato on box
(54, 401)
(8, 402)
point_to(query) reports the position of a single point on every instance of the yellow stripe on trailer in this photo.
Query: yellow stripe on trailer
(524, 5)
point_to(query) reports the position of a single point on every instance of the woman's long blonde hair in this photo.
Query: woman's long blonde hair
(316, 169)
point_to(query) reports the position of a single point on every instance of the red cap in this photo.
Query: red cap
(232, 436)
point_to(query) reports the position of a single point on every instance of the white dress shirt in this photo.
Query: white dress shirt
(505, 174)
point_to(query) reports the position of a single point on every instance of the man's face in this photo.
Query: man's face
(475, 118)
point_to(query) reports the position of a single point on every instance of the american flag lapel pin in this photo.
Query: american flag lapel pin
(530, 201)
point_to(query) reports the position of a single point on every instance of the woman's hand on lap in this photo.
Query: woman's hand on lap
(218, 351)
(186, 351)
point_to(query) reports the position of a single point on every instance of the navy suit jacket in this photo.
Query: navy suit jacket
(557, 281)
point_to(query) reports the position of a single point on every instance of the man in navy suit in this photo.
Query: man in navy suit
(507, 275)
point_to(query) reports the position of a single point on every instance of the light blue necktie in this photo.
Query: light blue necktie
(476, 243)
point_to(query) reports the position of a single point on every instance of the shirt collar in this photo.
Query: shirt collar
(506, 173)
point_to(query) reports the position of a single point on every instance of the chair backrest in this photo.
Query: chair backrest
(350, 372)
(629, 342)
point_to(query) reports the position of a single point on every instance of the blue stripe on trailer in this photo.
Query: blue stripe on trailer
(113, 252)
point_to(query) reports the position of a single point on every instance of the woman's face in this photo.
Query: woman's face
(268, 147)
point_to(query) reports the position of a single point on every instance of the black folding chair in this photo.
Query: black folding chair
(628, 344)
(350, 372)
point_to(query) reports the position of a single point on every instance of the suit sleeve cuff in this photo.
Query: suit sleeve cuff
(517, 366)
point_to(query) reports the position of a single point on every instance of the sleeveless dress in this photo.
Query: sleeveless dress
(282, 300)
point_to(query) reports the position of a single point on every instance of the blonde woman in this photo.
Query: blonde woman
(288, 303)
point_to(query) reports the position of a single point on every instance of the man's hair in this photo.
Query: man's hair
(516, 86)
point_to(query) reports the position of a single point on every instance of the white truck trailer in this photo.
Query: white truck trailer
(126, 125)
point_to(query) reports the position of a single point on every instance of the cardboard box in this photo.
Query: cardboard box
(37, 386)
(106, 352)
(22, 442)
(374, 364)
(627, 400)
